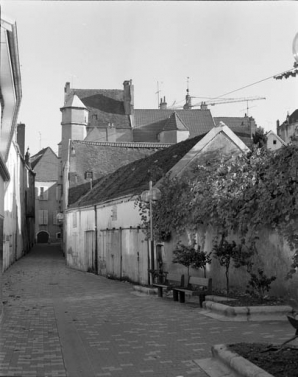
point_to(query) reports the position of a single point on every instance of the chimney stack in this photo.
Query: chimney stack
(163, 105)
(128, 97)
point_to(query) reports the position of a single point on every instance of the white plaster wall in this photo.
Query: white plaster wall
(270, 145)
(12, 228)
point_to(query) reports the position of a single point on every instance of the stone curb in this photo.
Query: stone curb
(248, 313)
(146, 290)
(236, 363)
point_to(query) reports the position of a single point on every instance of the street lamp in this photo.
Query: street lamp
(148, 196)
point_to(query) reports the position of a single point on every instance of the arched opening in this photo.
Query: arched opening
(42, 237)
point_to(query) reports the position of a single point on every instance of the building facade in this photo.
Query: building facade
(10, 99)
(288, 130)
(47, 196)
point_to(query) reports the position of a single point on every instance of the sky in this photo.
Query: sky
(216, 48)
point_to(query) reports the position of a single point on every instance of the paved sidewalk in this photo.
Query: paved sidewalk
(63, 322)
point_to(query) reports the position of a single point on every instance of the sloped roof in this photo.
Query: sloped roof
(150, 122)
(174, 123)
(238, 124)
(36, 158)
(74, 101)
(134, 178)
(45, 164)
(105, 105)
(103, 158)
(294, 117)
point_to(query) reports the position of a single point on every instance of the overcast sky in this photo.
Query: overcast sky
(220, 46)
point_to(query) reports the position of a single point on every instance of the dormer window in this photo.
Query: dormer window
(94, 116)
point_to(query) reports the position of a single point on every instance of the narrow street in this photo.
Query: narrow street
(63, 322)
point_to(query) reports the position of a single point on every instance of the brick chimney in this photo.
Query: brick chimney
(163, 104)
(21, 138)
(128, 97)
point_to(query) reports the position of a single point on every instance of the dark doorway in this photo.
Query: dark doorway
(42, 237)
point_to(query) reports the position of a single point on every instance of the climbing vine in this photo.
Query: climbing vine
(239, 194)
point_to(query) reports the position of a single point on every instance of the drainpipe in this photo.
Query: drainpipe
(96, 246)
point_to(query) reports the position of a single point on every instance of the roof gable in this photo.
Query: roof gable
(174, 123)
(151, 122)
(220, 139)
(133, 178)
(45, 164)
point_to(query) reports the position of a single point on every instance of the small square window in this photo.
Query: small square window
(274, 141)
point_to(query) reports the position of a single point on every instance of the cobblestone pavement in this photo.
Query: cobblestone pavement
(63, 322)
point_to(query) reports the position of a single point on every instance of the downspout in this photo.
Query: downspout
(96, 245)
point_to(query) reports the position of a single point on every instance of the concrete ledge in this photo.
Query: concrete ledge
(246, 313)
(146, 290)
(236, 363)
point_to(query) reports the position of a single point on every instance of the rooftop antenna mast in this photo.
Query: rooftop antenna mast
(158, 91)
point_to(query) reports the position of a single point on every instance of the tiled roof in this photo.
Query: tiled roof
(237, 124)
(152, 121)
(133, 178)
(174, 123)
(294, 117)
(103, 158)
(74, 101)
(36, 158)
(105, 105)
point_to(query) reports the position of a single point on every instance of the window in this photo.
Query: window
(58, 235)
(43, 193)
(43, 217)
(274, 141)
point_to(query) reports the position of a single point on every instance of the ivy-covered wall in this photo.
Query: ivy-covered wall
(274, 255)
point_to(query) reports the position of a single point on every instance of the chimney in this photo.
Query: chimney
(203, 106)
(163, 104)
(21, 138)
(66, 91)
(128, 97)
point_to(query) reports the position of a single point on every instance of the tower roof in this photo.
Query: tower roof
(74, 101)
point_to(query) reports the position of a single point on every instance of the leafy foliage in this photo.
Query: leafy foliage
(224, 253)
(259, 284)
(239, 194)
(259, 138)
(189, 256)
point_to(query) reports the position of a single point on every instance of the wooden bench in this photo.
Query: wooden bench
(171, 281)
(195, 287)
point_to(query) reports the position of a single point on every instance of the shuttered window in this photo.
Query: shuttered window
(43, 217)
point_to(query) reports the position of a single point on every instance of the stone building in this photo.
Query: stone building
(47, 196)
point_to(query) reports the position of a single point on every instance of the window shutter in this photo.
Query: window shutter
(45, 216)
(40, 216)
(46, 193)
(57, 193)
